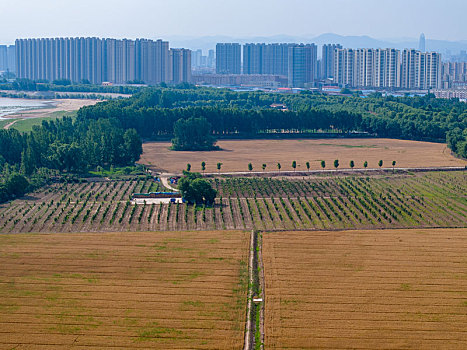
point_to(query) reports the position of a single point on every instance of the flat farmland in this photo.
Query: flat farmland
(432, 199)
(169, 290)
(383, 289)
(235, 155)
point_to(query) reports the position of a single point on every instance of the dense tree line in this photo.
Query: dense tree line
(153, 113)
(159, 121)
(71, 146)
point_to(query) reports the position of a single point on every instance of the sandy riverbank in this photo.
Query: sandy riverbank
(65, 105)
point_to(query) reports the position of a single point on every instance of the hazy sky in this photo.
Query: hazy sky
(439, 19)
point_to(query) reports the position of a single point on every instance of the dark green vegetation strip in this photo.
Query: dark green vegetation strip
(153, 113)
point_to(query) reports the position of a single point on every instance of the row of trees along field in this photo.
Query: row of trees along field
(336, 164)
(154, 112)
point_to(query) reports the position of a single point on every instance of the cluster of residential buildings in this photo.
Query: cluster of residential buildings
(200, 62)
(280, 65)
(359, 68)
(102, 60)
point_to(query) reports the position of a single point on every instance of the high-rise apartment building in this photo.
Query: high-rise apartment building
(211, 59)
(420, 70)
(387, 68)
(327, 60)
(344, 67)
(302, 63)
(276, 59)
(228, 58)
(253, 58)
(270, 59)
(11, 59)
(180, 66)
(454, 73)
(93, 59)
(3, 58)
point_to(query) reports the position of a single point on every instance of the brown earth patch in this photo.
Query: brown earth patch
(235, 155)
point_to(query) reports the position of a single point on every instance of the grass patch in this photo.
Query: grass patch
(405, 287)
(152, 332)
(26, 125)
(117, 172)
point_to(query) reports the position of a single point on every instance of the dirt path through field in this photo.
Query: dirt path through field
(165, 181)
(9, 125)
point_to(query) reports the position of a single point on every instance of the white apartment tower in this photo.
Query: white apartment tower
(420, 70)
(387, 68)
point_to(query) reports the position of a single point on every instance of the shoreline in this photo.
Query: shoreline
(50, 106)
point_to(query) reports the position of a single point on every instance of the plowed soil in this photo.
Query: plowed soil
(235, 155)
(123, 290)
(386, 289)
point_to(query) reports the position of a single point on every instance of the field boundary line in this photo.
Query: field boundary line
(341, 171)
(262, 286)
(249, 335)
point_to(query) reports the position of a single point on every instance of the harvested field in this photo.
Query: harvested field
(390, 289)
(235, 155)
(154, 290)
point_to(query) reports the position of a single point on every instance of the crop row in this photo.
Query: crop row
(428, 200)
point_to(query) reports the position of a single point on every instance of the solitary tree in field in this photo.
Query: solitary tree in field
(219, 165)
(264, 166)
(365, 164)
(323, 164)
(352, 164)
(308, 166)
(250, 166)
(393, 165)
(380, 163)
(294, 165)
(203, 166)
(336, 164)
(188, 167)
(193, 134)
(279, 166)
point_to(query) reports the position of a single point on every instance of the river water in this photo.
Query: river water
(17, 105)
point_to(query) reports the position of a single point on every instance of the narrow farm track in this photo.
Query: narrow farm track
(341, 171)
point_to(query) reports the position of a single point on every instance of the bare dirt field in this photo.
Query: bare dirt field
(385, 289)
(235, 155)
(181, 290)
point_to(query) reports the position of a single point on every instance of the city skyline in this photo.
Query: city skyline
(208, 17)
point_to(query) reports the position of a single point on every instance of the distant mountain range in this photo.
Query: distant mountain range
(209, 42)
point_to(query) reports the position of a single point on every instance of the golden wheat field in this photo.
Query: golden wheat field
(155, 290)
(382, 289)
